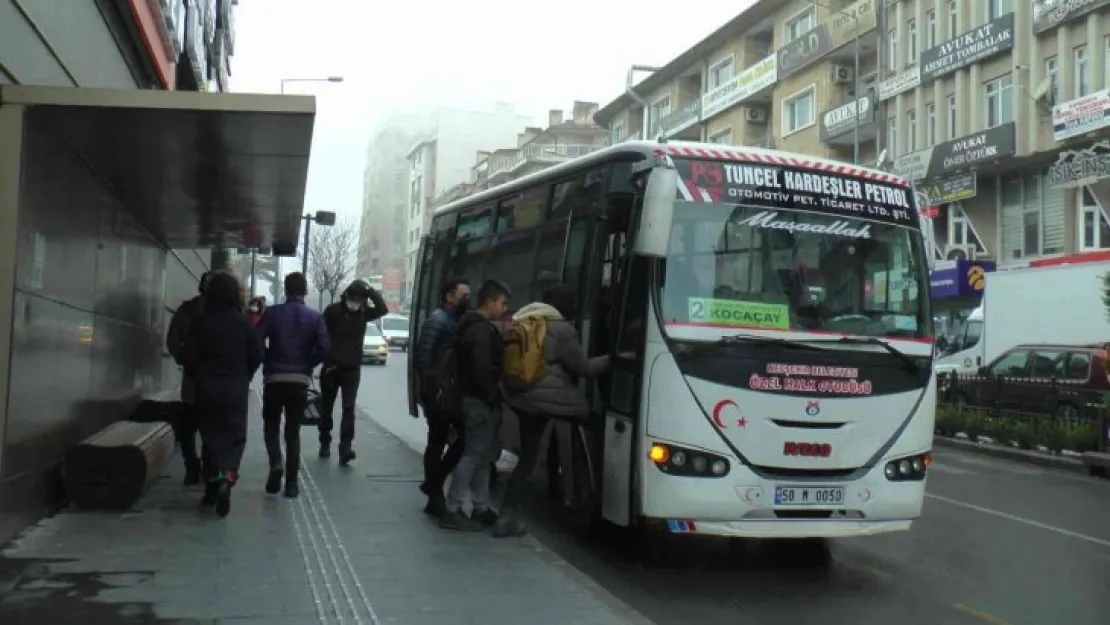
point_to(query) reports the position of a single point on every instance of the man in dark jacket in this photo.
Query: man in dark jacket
(436, 335)
(223, 353)
(298, 341)
(480, 359)
(346, 321)
(177, 339)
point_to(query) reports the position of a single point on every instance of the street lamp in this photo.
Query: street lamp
(855, 77)
(285, 81)
(324, 218)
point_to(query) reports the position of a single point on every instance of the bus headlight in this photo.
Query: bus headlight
(682, 462)
(908, 469)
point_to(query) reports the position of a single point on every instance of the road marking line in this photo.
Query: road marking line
(1017, 519)
(948, 468)
(986, 617)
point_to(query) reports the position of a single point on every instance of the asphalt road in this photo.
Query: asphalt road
(999, 543)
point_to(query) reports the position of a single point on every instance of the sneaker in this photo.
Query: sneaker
(485, 516)
(325, 451)
(223, 498)
(509, 528)
(273, 481)
(459, 522)
(291, 489)
(346, 455)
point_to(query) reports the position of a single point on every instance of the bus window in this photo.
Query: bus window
(523, 211)
(476, 222)
(512, 260)
(576, 196)
(549, 255)
(468, 259)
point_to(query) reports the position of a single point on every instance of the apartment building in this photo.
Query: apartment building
(539, 148)
(997, 109)
(385, 191)
(442, 156)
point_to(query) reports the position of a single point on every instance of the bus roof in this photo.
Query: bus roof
(639, 150)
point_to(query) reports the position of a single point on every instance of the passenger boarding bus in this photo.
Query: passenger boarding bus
(767, 319)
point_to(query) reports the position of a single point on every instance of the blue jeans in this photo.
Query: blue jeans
(481, 435)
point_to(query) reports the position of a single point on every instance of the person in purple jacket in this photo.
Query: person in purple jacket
(297, 341)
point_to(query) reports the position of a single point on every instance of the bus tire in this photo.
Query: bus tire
(586, 513)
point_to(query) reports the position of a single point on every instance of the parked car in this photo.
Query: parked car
(374, 348)
(395, 329)
(1063, 380)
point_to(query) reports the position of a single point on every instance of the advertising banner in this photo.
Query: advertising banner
(959, 278)
(1081, 115)
(783, 187)
(958, 154)
(842, 119)
(977, 44)
(750, 81)
(1048, 14)
(900, 83)
(840, 28)
(950, 189)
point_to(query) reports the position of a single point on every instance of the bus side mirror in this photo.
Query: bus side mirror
(654, 232)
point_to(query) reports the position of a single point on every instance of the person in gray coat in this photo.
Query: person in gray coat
(554, 401)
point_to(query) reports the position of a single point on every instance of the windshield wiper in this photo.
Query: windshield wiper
(765, 340)
(872, 340)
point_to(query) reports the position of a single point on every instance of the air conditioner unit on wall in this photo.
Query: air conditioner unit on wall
(842, 75)
(755, 116)
(959, 252)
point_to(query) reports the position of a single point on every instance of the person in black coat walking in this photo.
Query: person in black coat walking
(224, 352)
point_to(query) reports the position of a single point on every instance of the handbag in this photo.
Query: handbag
(313, 407)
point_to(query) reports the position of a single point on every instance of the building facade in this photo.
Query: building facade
(384, 203)
(442, 156)
(91, 286)
(539, 148)
(998, 110)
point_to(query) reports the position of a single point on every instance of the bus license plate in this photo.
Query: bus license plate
(809, 495)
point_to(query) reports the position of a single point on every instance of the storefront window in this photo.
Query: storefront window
(1094, 228)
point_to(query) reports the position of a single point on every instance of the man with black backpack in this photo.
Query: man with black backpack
(478, 354)
(445, 438)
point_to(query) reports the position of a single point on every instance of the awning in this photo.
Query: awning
(198, 169)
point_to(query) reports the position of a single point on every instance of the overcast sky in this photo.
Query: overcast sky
(395, 56)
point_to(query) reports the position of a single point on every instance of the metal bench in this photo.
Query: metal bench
(111, 469)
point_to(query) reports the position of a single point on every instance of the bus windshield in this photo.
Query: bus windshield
(781, 268)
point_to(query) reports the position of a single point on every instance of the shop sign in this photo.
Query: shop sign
(901, 83)
(1077, 168)
(842, 119)
(977, 44)
(745, 84)
(1048, 14)
(959, 278)
(841, 28)
(950, 189)
(1081, 115)
(958, 154)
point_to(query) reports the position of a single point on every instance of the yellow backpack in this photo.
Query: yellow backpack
(524, 362)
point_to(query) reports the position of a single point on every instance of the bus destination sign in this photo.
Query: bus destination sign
(784, 187)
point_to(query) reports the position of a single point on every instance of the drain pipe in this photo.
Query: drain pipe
(639, 100)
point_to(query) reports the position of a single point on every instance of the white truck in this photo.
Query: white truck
(1061, 303)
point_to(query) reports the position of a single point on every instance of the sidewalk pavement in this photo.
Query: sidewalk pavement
(354, 548)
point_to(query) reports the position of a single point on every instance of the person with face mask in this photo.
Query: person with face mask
(255, 309)
(443, 450)
(346, 320)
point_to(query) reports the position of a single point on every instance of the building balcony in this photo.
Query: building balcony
(549, 154)
(681, 119)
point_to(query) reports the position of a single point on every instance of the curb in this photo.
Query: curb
(620, 608)
(1060, 463)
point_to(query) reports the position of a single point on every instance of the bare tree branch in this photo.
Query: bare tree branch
(332, 253)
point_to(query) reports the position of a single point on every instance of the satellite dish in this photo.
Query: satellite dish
(881, 161)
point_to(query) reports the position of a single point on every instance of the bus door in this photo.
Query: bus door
(416, 319)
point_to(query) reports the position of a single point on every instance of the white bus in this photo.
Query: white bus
(768, 321)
